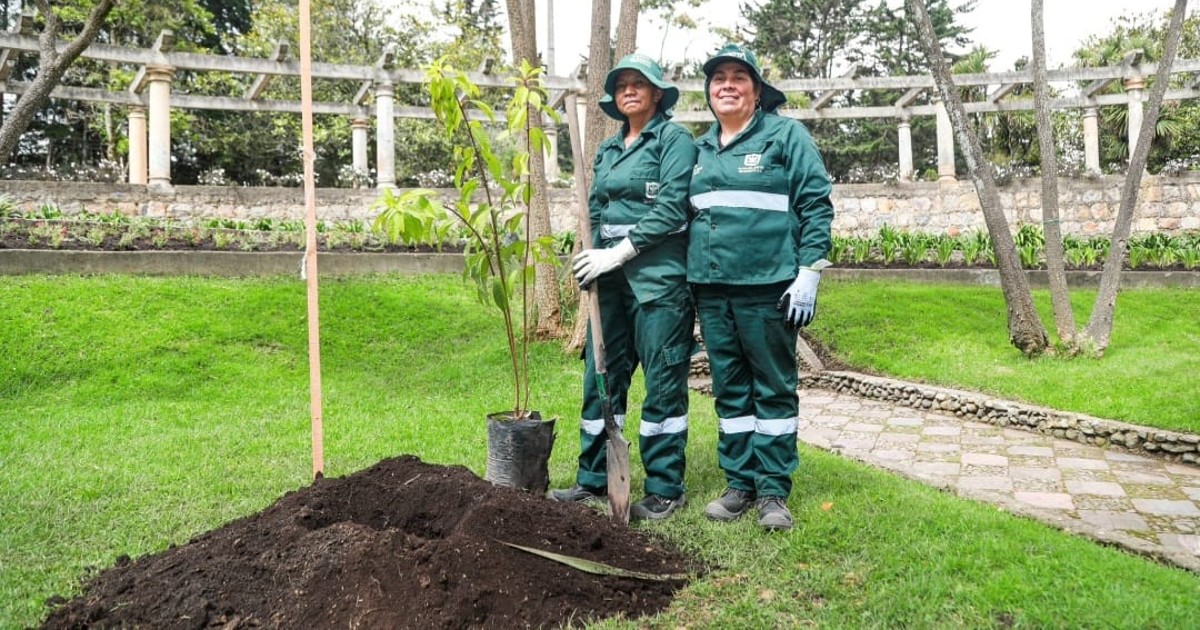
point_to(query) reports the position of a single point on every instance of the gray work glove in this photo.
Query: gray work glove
(593, 263)
(799, 302)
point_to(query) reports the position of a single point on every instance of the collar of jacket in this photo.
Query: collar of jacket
(650, 130)
(711, 138)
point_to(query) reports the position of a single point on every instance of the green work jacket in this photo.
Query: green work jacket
(761, 204)
(641, 192)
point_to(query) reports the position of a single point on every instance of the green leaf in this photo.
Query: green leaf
(598, 568)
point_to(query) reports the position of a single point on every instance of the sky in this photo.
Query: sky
(1001, 25)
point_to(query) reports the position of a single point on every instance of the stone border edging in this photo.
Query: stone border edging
(236, 263)
(219, 263)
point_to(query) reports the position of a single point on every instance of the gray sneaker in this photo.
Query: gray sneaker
(730, 506)
(773, 514)
(655, 507)
(577, 493)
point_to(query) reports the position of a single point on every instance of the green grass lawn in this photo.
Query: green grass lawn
(956, 336)
(136, 413)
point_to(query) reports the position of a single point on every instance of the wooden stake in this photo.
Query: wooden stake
(310, 250)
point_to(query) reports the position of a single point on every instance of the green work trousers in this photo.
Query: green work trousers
(658, 336)
(754, 373)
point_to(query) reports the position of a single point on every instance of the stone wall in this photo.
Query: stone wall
(1087, 206)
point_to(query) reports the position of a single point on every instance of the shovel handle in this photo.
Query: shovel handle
(592, 293)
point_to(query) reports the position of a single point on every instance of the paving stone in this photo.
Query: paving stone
(1046, 500)
(941, 430)
(994, 440)
(1180, 469)
(1031, 472)
(906, 422)
(1031, 451)
(1114, 455)
(1192, 493)
(938, 469)
(892, 455)
(1103, 488)
(985, 482)
(1143, 478)
(863, 427)
(1181, 542)
(898, 438)
(1113, 520)
(850, 444)
(1166, 507)
(938, 447)
(1081, 463)
(983, 459)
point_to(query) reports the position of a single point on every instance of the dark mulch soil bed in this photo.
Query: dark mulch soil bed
(402, 544)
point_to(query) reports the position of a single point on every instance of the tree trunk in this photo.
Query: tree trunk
(627, 25)
(1060, 295)
(52, 65)
(597, 126)
(523, 31)
(1025, 330)
(1099, 329)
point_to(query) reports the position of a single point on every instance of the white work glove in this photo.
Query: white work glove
(593, 263)
(799, 302)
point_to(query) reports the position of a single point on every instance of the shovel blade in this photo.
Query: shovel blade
(618, 478)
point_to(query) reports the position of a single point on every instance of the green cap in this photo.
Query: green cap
(653, 72)
(771, 98)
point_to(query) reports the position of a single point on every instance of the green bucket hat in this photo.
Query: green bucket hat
(653, 72)
(771, 98)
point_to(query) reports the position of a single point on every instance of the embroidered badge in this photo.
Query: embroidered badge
(752, 163)
(696, 169)
(651, 190)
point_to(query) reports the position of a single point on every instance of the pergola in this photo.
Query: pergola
(150, 98)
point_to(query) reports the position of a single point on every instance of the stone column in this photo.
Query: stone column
(1091, 140)
(358, 143)
(1133, 89)
(158, 79)
(385, 136)
(945, 144)
(137, 145)
(905, 141)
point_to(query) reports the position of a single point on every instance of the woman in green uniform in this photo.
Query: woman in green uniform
(639, 212)
(757, 244)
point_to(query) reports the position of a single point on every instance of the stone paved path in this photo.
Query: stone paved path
(1142, 503)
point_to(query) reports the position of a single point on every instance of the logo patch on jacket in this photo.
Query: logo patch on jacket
(752, 163)
(651, 190)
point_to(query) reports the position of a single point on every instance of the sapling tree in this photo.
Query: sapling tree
(492, 205)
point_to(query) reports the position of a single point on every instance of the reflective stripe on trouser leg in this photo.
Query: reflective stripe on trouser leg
(753, 359)
(663, 338)
(617, 300)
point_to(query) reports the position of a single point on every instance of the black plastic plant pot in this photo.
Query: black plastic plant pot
(519, 451)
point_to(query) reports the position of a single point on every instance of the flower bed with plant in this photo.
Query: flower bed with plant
(49, 228)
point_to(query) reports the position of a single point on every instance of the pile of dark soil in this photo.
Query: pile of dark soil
(403, 544)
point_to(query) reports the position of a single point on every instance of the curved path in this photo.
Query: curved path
(1140, 502)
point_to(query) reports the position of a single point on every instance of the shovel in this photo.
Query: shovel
(618, 446)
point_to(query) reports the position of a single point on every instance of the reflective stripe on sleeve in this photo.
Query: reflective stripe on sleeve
(743, 424)
(752, 199)
(783, 426)
(621, 230)
(669, 426)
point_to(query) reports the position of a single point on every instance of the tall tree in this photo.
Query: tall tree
(52, 65)
(523, 31)
(1060, 297)
(1096, 336)
(1025, 329)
